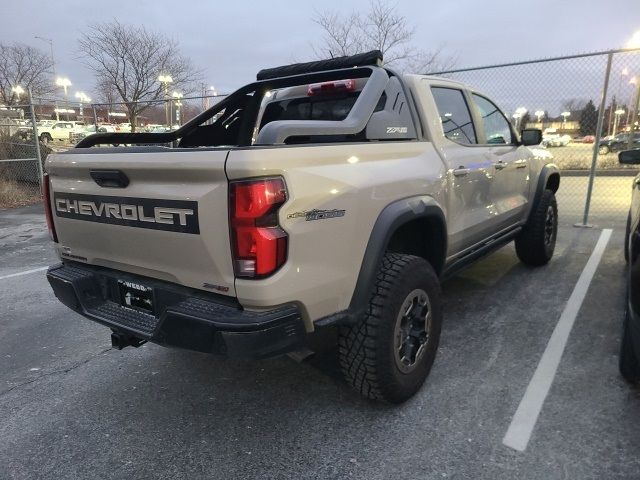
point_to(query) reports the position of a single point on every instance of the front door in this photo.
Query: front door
(510, 162)
(469, 171)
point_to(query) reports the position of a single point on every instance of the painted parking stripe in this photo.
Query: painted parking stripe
(26, 272)
(526, 416)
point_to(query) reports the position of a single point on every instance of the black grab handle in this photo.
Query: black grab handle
(110, 178)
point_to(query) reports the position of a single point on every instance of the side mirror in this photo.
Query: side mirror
(531, 136)
(629, 157)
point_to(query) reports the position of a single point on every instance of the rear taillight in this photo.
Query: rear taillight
(337, 86)
(46, 199)
(259, 244)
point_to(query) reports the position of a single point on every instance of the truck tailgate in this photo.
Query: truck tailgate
(169, 222)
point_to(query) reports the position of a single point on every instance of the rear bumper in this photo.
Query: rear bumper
(182, 317)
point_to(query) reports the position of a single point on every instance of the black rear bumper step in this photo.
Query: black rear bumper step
(182, 317)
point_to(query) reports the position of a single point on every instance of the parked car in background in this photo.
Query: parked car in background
(107, 128)
(59, 132)
(90, 130)
(45, 123)
(24, 132)
(630, 344)
(551, 138)
(588, 139)
(619, 142)
(151, 127)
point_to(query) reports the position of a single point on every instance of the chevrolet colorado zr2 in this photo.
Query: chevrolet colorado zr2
(330, 196)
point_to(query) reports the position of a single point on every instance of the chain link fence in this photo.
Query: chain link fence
(586, 105)
(29, 131)
(20, 157)
(567, 98)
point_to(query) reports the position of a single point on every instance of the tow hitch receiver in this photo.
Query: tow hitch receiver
(121, 340)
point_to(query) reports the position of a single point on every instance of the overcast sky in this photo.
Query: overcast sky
(230, 41)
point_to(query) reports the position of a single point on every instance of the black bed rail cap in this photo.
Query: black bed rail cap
(374, 57)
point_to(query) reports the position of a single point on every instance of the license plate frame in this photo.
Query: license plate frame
(135, 296)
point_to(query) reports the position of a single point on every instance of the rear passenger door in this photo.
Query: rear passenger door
(469, 172)
(510, 192)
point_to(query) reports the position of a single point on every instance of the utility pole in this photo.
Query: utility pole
(165, 80)
(634, 106)
(53, 67)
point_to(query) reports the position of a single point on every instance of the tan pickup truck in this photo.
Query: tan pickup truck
(325, 198)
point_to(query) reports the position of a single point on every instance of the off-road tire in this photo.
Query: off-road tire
(533, 244)
(367, 350)
(628, 363)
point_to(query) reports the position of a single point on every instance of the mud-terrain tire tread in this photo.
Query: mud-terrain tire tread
(530, 246)
(360, 345)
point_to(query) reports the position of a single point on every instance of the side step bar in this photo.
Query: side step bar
(483, 250)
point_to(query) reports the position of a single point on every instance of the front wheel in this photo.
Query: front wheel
(536, 242)
(603, 150)
(388, 354)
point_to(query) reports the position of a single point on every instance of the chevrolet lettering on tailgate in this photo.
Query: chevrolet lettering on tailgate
(170, 215)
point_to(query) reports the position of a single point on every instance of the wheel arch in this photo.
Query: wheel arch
(549, 178)
(414, 226)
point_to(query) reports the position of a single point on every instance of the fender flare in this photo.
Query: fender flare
(547, 171)
(392, 217)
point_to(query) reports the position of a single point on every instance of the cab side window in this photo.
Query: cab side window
(496, 127)
(454, 114)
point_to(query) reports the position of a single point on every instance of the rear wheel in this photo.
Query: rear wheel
(536, 242)
(629, 363)
(388, 354)
(603, 150)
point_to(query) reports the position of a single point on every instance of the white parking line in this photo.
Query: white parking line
(526, 416)
(26, 272)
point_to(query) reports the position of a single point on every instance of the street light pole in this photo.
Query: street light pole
(178, 103)
(65, 83)
(165, 80)
(83, 98)
(53, 68)
(53, 60)
(634, 115)
(616, 121)
(564, 119)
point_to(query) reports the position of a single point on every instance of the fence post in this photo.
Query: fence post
(596, 144)
(95, 118)
(36, 140)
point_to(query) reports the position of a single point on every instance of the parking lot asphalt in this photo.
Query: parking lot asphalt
(71, 407)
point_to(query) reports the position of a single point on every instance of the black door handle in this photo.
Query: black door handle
(110, 178)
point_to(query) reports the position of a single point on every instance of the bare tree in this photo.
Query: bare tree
(107, 91)
(381, 28)
(574, 104)
(23, 66)
(129, 59)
